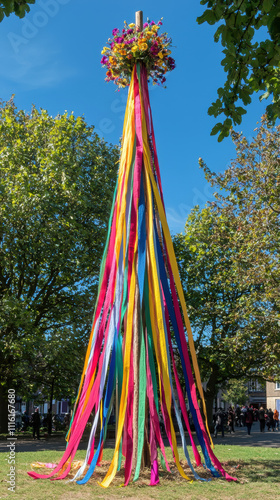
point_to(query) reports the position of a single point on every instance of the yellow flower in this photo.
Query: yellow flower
(161, 55)
(143, 46)
(155, 28)
(142, 40)
(104, 50)
(150, 33)
(131, 25)
(134, 48)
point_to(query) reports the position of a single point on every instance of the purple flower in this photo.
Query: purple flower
(160, 23)
(154, 51)
(145, 25)
(112, 45)
(115, 31)
(104, 60)
(152, 23)
(171, 62)
(129, 31)
(119, 39)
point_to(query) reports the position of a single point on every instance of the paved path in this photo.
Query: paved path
(268, 439)
(240, 437)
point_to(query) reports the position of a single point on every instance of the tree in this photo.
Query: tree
(251, 65)
(227, 346)
(249, 195)
(53, 365)
(56, 188)
(236, 392)
(19, 7)
(229, 265)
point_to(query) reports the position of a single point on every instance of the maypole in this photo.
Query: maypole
(140, 315)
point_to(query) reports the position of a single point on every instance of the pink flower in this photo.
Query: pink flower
(104, 60)
(115, 31)
(145, 25)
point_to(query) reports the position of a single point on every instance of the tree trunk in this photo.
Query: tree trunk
(50, 404)
(210, 394)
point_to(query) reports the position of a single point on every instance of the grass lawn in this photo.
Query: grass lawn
(257, 470)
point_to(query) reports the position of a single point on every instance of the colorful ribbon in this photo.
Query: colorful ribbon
(137, 324)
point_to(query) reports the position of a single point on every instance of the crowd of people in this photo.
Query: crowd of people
(245, 416)
(38, 422)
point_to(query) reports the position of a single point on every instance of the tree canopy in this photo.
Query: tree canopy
(57, 179)
(249, 31)
(19, 7)
(229, 264)
(249, 196)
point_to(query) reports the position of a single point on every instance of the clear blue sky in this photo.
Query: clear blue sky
(52, 59)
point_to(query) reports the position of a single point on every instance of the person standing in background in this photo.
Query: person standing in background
(249, 417)
(36, 423)
(262, 419)
(276, 419)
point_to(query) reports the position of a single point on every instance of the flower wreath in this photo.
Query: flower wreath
(131, 45)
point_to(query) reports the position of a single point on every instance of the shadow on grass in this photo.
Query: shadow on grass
(255, 470)
(245, 471)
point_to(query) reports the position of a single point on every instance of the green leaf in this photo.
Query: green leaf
(216, 128)
(207, 16)
(267, 5)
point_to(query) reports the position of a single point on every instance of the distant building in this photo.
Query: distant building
(273, 395)
(256, 393)
(58, 407)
